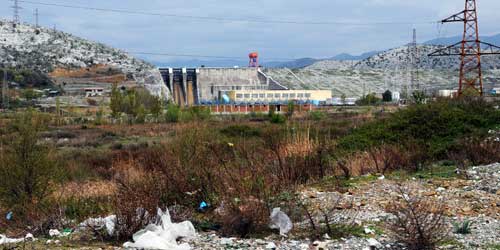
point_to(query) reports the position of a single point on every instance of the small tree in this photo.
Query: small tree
(157, 107)
(116, 101)
(387, 96)
(343, 99)
(27, 167)
(418, 97)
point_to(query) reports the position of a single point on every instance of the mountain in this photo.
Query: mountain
(495, 39)
(199, 63)
(59, 54)
(386, 70)
(349, 57)
(294, 64)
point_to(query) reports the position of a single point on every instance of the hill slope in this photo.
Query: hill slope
(47, 50)
(386, 70)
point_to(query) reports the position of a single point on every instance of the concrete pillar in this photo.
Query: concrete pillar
(171, 80)
(184, 85)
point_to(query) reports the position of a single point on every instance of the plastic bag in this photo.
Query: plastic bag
(281, 221)
(99, 223)
(163, 235)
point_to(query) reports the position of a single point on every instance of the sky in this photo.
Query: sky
(367, 25)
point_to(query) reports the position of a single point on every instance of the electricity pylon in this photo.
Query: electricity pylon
(469, 50)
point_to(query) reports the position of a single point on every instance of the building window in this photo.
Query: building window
(285, 95)
(269, 95)
(308, 95)
(277, 95)
(300, 95)
(239, 96)
(262, 95)
(292, 95)
(247, 96)
(255, 96)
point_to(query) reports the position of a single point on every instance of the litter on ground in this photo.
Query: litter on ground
(163, 235)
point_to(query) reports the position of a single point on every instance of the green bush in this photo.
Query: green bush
(435, 127)
(278, 119)
(316, 115)
(173, 113)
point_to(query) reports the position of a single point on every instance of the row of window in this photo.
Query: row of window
(273, 95)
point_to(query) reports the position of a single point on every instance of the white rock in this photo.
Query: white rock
(271, 245)
(226, 241)
(374, 243)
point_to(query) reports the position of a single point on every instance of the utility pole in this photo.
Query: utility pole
(469, 50)
(16, 9)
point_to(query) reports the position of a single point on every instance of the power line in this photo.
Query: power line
(198, 56)
(223, 19)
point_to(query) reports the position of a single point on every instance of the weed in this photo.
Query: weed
(419, 222)
(463, 227)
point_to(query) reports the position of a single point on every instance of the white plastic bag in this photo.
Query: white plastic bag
(107, 223)
(281, 221)
(163, 235)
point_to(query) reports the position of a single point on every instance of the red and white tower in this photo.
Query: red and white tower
(254, 60)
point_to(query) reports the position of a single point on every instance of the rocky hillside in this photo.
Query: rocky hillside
(47, 50)
(386, 70)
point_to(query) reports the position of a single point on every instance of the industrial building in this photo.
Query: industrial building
(207, 86)
(279, 96)
(199, 86)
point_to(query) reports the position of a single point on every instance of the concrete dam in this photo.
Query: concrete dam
(201, 86)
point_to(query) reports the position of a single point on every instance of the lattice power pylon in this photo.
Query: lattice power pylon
(16, 8)
(414, 63)
(469, 50)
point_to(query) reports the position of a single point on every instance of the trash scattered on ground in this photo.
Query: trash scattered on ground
(281, 221)
(54, 233)
(5, 240)
(163, 235)
(203, 206)
(271, 245)
(9, 216)
(107, 223)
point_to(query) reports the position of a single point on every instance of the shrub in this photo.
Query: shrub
(419, 221)
(137, 199)
(370, 99)
(173, 113)
(387, 96)
(435, 127)
(278, 118)
(316, 115)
